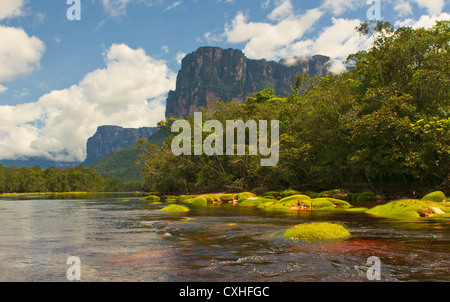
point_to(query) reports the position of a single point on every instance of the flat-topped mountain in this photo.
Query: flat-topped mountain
(211, 73)
(110, 139)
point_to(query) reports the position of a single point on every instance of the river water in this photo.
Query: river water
(120, 238)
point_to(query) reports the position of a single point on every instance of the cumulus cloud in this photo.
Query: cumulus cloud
(284, 37)
(434, 7)
(11, 8)
(271, 40)
(425, 21)
(20, 54)
(338, 7)
(129, 92)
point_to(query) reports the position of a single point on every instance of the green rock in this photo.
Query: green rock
(175, 209)
(366, 197)
(410, 209)
(151, 198)
(313, 232)
(437, 196)
(200, 201)
(289, 192)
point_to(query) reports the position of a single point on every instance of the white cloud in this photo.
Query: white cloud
(403, 8)
(424, 21)
(267, 40)
(19, 53)
(283, 10)
(3, 88)
(173, 5)
(284, 37)
(11, 8)
(129, 92)
(338, 7)
(180, 56)
(434, 7)
(115, 8)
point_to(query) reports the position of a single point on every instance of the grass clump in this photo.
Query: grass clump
(313, 232)
(437, 196)
(173, 208)
(410, 209)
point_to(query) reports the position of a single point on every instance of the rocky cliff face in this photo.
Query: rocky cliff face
(109, 139)
(210, 74)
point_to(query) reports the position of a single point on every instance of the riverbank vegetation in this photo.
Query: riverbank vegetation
(383, 128)
(38, 180)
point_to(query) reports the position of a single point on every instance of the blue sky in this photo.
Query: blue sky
(61, 79)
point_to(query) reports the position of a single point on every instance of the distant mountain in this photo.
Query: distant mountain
(37, 161)
(110, 139)
(211, 73)
(120, 164)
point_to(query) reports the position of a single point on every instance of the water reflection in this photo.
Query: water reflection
(120, 238)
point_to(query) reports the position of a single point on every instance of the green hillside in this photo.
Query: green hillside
(120, 164)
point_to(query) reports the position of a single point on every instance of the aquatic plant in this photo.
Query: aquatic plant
(313, 232)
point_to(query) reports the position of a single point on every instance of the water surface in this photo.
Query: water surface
(120, 238)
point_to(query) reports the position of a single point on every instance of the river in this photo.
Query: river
(117, 237)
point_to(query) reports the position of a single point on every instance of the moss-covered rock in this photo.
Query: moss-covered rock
(227, 198)
(322, 203)
(289, 192)
(336, 194)
(183, 198)
(152, 198)
(366, 198)
(297, 201)
(254, 202)
(271, 195)
(245, 195)
(200, 201)
(313, 232)
(411, 209)
(175, 209)
(311, 194)
(437, 196)
(338, 202)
